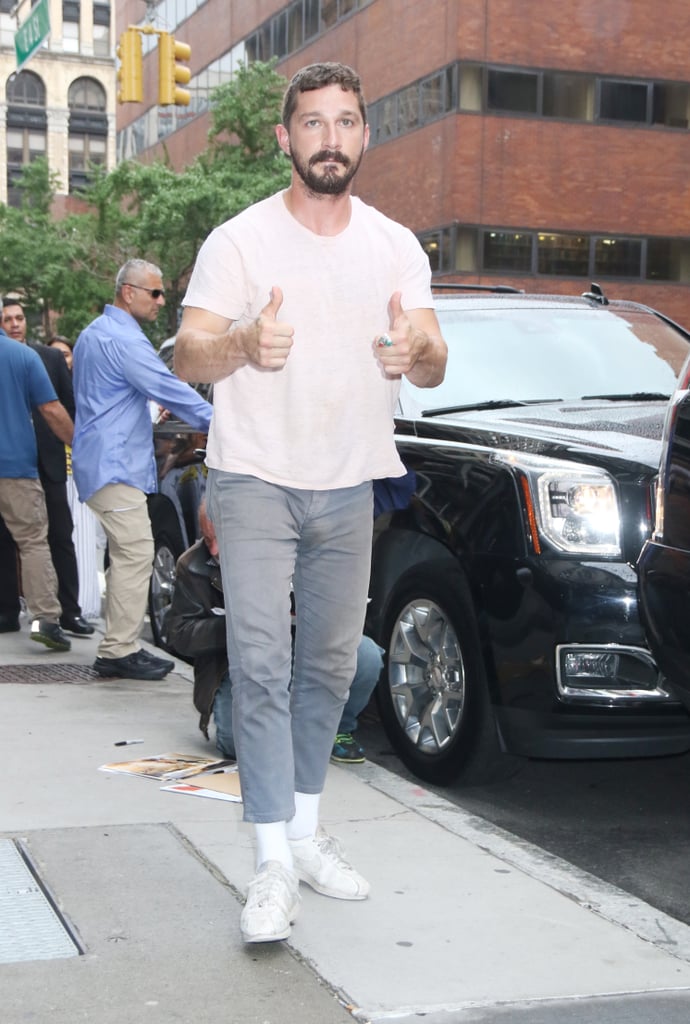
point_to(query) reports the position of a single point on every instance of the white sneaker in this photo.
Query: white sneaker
(320, 863)
(272, 904)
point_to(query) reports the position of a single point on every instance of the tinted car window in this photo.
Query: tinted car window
(545, 354)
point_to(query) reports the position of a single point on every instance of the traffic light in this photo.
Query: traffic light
(170, 51)
(129, 75)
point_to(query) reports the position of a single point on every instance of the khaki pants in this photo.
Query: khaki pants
(123, 513)
(23, 507)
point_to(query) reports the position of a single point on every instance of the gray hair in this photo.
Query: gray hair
(135, 269)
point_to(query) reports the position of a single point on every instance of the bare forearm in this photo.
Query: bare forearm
(59, 420)
(205, 358)
(209, 347)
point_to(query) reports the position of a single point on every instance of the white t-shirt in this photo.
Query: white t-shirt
(326, 419)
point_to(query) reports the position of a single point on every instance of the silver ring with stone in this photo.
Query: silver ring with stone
(385, 341)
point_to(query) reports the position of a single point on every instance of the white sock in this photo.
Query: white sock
(272, 844)
(306, 819)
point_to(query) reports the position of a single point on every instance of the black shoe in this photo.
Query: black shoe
(76, 624)
(154, 660)
(9, 623)
(134, 666)
(50, 634)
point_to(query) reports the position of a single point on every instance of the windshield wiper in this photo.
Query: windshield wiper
(495, 403)
(634, 396)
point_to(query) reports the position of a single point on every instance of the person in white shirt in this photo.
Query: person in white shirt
(304, 311)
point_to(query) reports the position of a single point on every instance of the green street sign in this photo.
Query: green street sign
(32, 33)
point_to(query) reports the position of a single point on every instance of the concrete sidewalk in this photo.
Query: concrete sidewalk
(465, 922)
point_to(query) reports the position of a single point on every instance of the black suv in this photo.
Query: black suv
(505, 591)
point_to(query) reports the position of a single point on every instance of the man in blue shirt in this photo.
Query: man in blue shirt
(116, 373)
(52, 472)
(25, 385)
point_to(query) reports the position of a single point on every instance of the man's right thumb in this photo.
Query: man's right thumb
(274, 304)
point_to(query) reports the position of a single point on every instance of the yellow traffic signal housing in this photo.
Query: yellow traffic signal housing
(170, 73)
(129, 75)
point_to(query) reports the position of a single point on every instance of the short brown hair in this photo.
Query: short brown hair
(317, 76)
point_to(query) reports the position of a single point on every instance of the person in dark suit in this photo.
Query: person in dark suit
(53, 475)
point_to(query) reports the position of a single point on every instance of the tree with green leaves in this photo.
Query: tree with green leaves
(65, 269)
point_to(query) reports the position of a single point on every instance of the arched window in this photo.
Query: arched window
(26, 127)
(88, 129)
(86, 94)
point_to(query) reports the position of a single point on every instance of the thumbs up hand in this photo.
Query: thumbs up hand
(269, 340)
(396, 349)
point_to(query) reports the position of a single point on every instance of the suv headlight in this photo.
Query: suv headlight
(576, 508)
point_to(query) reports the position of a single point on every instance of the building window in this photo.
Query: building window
(437, 246)
(86, 94)
(408, 109)
(297, 24)
(8, 24)
(312, 21)
(469, 249)
(623, 101)
(333, 10)
(101, 30)
(26, 127)
(515, 91)
(70, 27)
(507, 250)
(618, 257)
(569, 97)
(386, 119)
(668, 259)
(437, 95)
(671, 104)
(88, 130)
(85, 151)
(466, 249)
(567, 255)
(470, 87)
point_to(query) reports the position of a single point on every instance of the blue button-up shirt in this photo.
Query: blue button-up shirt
(116, 373)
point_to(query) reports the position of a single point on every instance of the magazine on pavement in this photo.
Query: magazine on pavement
(166, 767)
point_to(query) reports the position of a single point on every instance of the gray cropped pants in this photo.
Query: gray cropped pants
(320, 541)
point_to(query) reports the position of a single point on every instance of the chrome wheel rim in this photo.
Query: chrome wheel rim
(426, 676)
(162, 585)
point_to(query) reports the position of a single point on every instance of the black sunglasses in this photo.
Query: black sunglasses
(155, 293)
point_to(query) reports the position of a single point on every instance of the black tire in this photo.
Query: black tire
(432, 695)
(161, 587)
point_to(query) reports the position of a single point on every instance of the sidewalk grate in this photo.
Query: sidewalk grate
(30, 927)
(57, 672)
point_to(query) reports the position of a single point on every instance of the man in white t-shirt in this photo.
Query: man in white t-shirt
(304, 311)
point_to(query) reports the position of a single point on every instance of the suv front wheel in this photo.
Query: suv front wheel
(432, 695)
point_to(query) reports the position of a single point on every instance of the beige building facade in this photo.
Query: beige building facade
(61, 104)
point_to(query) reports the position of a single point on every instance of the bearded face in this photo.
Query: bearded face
(328, 172)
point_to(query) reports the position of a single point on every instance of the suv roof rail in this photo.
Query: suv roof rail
(452, 286)
(596, 294)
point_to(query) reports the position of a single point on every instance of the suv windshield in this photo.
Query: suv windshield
(543, 354)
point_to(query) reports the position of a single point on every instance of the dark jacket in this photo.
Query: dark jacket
(51, 450)
(193, 630)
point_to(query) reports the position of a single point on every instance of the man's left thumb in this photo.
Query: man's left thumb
(395, 309)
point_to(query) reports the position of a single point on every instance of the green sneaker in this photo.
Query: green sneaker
(346, 750)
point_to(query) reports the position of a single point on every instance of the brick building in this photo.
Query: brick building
(537, 144)
(61, 104)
